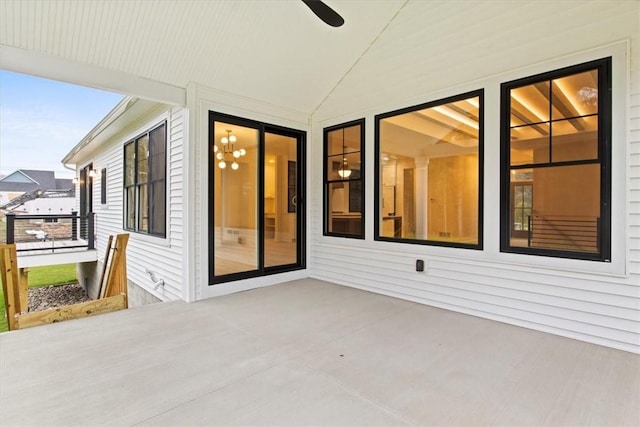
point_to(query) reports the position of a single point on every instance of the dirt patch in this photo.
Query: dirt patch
(56, 296)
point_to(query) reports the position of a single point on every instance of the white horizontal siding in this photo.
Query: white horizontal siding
(162, 256)
(610, 316)
(582, 303)
(174, 188)
(634, 162)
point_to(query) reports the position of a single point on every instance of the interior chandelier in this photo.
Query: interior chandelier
(227, 150)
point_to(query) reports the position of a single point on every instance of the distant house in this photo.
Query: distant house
(36, 191)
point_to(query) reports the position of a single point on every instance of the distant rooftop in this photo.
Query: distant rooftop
(26, 180)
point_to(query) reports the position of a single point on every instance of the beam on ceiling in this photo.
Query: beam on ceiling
(563, 105)
(55, 68)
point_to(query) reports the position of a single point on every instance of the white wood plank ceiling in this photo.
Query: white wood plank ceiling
(278, 52)
(273, 51)
(433, 46)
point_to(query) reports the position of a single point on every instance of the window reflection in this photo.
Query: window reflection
(145, 182)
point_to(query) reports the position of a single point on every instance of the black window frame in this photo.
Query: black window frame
(603, 66)
(479, 93)
(300, 205)
(360, 179)
(103, 186)
(136, 185)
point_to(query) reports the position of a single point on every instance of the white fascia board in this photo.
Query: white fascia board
(126, 112)
(55, 68)
(58, 258)
(112, 116)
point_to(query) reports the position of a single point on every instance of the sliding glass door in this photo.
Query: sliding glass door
(280, 200)
(256, 218)
(235, 190)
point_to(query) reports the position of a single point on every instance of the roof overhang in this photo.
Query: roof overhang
(114, 122)
(56, 68)
(275, 52)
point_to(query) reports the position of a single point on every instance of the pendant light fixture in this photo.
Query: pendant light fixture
(227, 152)
(344, 170)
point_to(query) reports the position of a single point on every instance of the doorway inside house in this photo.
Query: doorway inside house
(521, 209)
(256, 214)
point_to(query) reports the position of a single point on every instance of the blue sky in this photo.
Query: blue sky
(42, 120)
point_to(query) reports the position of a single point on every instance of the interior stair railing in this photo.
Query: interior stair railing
(571, 233)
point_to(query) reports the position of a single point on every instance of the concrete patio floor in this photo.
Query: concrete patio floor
(308, 353)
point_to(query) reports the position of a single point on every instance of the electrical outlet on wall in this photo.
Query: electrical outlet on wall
(422, 266)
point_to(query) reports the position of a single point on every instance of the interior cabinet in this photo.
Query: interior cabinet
(346, 223)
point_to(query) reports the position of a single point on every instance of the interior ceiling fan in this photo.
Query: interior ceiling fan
(324, 12)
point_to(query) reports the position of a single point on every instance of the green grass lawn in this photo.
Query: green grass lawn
(42, 276)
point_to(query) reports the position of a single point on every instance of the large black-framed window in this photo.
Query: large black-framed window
(344, 180)
(556, 163)
(429, 173)
(145, 182)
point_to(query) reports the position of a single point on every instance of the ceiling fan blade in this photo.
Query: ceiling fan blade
(324, 12)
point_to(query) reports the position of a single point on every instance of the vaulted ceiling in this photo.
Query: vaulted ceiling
(279, 53)
(273, 51)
